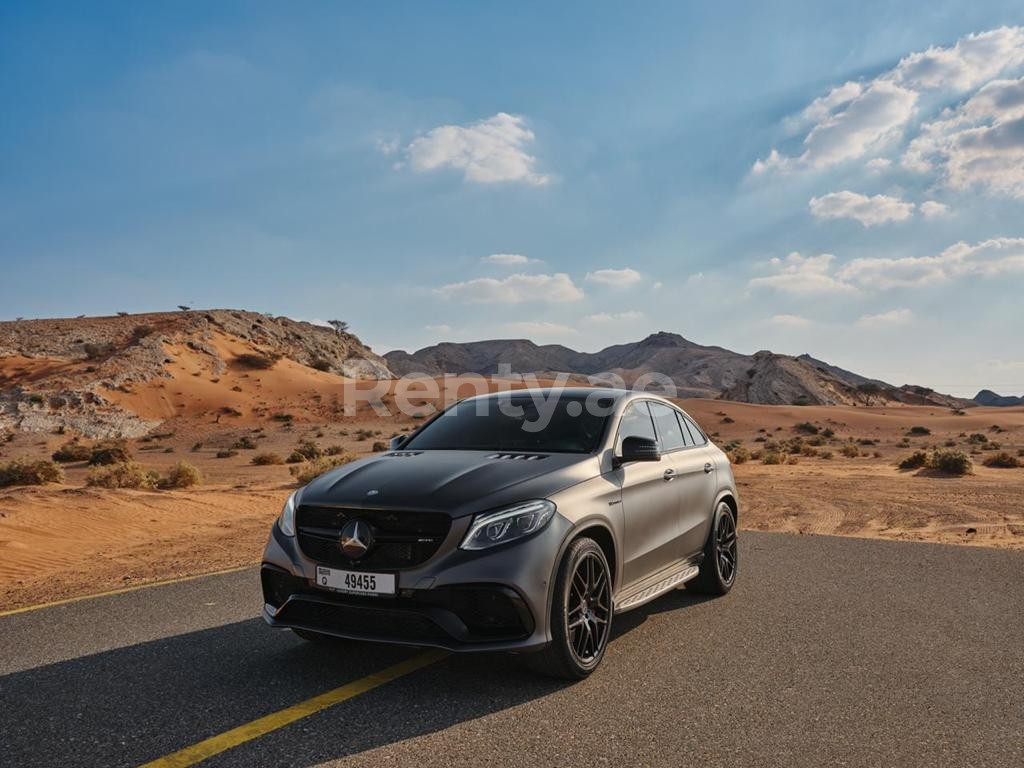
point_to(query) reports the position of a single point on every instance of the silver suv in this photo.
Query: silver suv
(519, 521)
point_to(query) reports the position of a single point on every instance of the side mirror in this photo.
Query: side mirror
(635, 448)
(397, 442)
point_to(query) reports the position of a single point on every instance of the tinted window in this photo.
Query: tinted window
(687, 438)
(636, 422)
(669, 433)
(514, 423)
(698, 436)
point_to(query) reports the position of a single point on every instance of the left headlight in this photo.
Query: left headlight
(286, 522)
(509, 524)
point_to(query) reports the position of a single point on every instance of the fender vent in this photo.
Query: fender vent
(517, 456)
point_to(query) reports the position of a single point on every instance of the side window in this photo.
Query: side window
(687, 438)
(698, 436)
(669, 433)
(636, 422)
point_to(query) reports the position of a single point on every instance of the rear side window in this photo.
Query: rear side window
(687, 438)
(636, 422)
(669, 431)
(695, 433)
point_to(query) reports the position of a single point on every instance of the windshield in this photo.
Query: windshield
(518, 423)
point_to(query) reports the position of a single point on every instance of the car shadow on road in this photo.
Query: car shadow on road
(129, 705)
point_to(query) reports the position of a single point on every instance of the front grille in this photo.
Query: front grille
(401, 539)
(404, 626)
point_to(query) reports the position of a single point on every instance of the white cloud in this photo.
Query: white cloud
(442, 328)
(487, 151)
(534, 329)
(615, 317)
(869, 211)
(799, 274)
(979, 143)
(790, 321)
(932, 209)
(508, 259)
(514, 289)
(616, 277)
(878, 164)
(886, 319)
(862, 117)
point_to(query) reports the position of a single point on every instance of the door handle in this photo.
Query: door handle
(669, 473)
(709, 467)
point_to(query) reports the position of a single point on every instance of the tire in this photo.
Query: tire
(721, 555)
(315, 637)
(581, 614)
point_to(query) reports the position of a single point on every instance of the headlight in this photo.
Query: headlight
(286, 522)
(508, 524)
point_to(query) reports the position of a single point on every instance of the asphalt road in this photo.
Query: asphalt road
(829, 652)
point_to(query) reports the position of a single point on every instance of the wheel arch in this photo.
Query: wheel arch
(729, 498)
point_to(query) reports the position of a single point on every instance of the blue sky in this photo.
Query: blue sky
(846, 181)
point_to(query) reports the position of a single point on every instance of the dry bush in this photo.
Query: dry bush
(792, 459)
(245, 443)
(110, 452)
(313, 469)
(916, 460)
(809, 451)
(28, 472)
(806, 427)
(267, 459)
(772, 457)
(825, 455)
(258, 360)
(226, 454)
(738, 455)
(334, 450)
(379, 446)
(181, 475)
(850, 451)
(72, 451)
(126, 474)
(919, 431)
(950, 463)
(1002, 460)
(308, 450)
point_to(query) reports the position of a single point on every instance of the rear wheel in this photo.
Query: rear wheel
(721, 555)
(581, 614)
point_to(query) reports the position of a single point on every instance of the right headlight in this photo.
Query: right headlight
(286, 522)
(509, 524)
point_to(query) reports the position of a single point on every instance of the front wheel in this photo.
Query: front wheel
(721, 555)
(581, 614)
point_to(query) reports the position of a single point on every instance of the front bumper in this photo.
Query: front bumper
(491, 600)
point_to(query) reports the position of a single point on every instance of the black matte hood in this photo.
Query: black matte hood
(457, 482)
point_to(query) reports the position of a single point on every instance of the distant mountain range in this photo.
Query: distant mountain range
(988, 397)
(696, 370)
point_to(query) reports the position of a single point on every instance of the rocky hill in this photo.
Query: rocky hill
(75, 373)
(696, 370)
(988, 397)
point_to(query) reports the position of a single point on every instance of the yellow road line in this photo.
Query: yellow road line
(222, 742)
(122, 590)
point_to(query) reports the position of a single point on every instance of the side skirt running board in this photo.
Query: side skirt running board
(658, 588)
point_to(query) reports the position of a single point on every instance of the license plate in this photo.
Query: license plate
(355, 582)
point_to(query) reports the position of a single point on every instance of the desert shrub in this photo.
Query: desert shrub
(181, 475)
(313, 469)
(760, 439)
(364, 434)
(125, 474)
(950, 462)
(258, 360)
(244, 443)
(334, 450)
(380, 445)
(36, 399)
(825, 455)
(792, 459)
(728, 420)
(72, 451)
(806, 428)
(141, 331)
(950, 443)
(877, 454)
(850, 451)
(308, 450)
(28, 472)
(739, 455)
(226, 454)
(168, 449)
(919, 431)
(1002, 460)
(816, 441)
(267, 459)
(197, 447)
(285, 417)
(828, 432)
(866, 441)
(915, 460)
(977, 438)
(772, 457)
(110, 452)
(98, 351)
(809, 451)
(320, 363)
